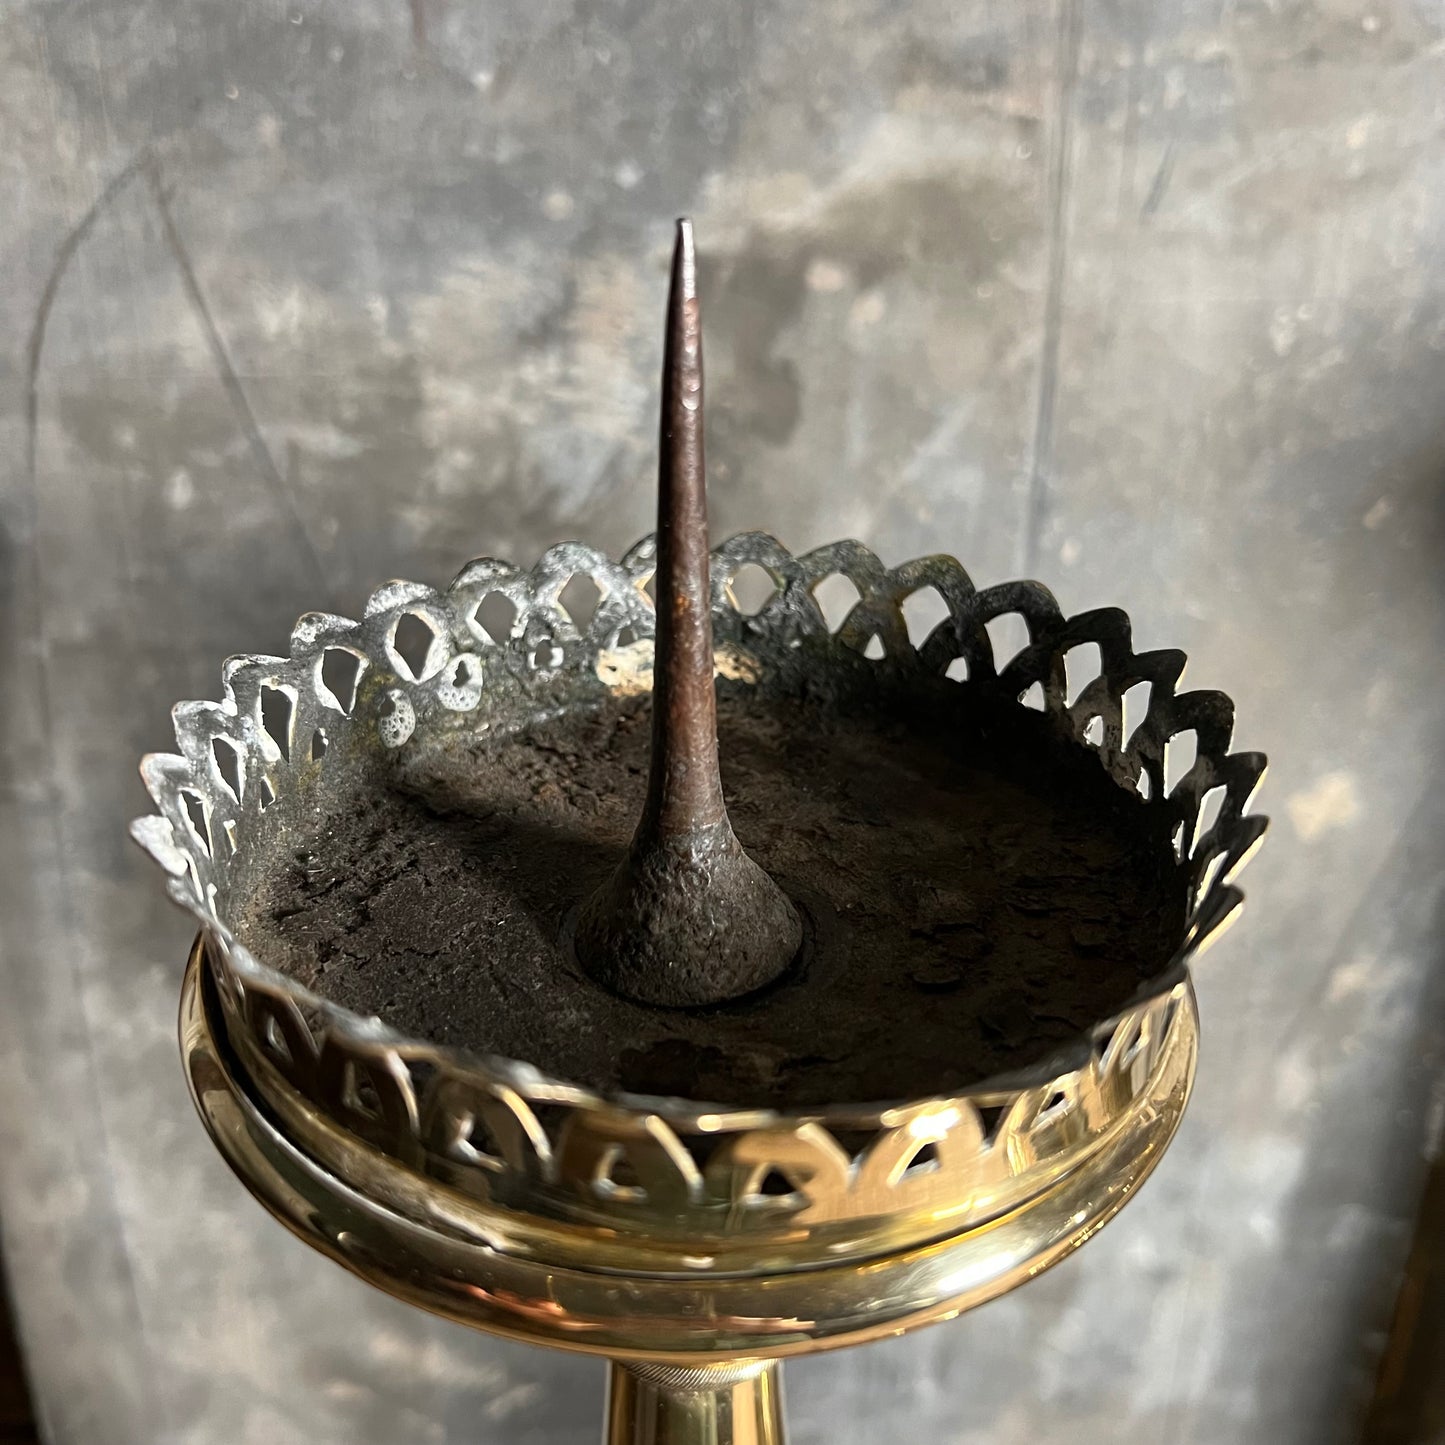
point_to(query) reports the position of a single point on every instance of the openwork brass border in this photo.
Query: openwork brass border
(694, 1177)
(393, 1228)
(498, 1132)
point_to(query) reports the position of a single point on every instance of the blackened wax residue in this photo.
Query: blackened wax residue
(975, 895)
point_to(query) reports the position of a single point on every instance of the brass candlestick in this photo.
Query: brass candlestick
(695, 1245)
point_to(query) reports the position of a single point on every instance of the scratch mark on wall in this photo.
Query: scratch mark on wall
(64, 255)
(1066, 63)
(1159, 184)
(225, 367)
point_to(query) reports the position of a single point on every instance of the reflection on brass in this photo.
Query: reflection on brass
(715, 1405)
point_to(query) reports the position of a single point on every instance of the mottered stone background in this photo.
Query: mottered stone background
(1146, 298)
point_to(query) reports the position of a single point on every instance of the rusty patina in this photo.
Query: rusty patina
(688, 918)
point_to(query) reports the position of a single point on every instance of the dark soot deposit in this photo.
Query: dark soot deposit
(975, 894)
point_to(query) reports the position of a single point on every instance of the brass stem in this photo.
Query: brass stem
(688, 918)
(717, 1405)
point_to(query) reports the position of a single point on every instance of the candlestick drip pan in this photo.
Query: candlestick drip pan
(652, 1227)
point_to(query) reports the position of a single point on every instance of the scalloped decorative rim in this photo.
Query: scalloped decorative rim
(207, 814)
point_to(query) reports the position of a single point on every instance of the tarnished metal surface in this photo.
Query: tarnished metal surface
(1146, 301)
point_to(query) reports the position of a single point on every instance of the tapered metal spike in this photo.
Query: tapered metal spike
(688, 919)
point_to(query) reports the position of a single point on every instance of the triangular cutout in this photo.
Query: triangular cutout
(925, 1161)
(775, 1184)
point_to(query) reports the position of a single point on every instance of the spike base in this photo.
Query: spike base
(684, 925)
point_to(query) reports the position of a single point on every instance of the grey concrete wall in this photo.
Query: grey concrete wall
(1145, 298)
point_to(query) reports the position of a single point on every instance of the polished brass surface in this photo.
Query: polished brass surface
(988, 1149)
(717, 1405)
(533, 1278)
